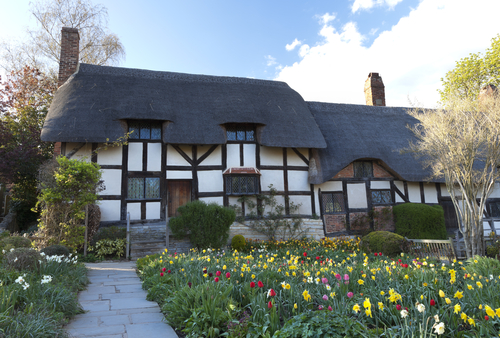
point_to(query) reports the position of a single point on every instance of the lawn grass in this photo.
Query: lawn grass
(322, 289)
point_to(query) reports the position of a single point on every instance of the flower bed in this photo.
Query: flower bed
(327, 288)
(37, 301)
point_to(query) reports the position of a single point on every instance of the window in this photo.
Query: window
(494, 208)
(240, 132)
(140, 188)
(333, 202)
(381, 197)
(144, 130)
(242, 185)
(363, 169)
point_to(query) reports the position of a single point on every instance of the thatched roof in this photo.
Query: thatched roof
(354, 132)
(95, 103)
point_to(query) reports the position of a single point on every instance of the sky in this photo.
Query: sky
(323, 49)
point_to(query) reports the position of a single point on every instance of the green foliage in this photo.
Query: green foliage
(111, 233)
(22, 259)
(382, 241)
(65, 193)
(324, 323)
(201, 310)
(238, 242)
(110, 248)
(15, 241)
(56, 250)
(472, 73)
(483, 266)
(420, 221)
(206, 225)
(31, 324)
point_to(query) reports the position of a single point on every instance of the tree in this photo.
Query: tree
(24, 101)
(42, 48)
(472, 73)
(462, 144)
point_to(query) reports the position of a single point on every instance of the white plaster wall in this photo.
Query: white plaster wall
(233, 155)
(210, 181)
(305, 208)
(293, 159)
(215, 158)
(279, 200)
(401, 187)
(356, 195)
(154, 157)
(249, 155)
(414, 192)
(135, 210)
(110, 156)
(444, 191)
(233, 200)
(110, 210)
(274, 177)
(430, 193)
(175, 175)
(496, 191)
(249, 210)
(330, 186)
(85, 152)
(134, 156)
(271, 156)
(112, 181)
(174, 158)
(298, 181)
(380, 185)
(487, 229)
(208, 200)
(153, 210)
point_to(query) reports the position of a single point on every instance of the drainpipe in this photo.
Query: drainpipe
(128, 235)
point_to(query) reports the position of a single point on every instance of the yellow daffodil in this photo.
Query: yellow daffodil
(441, 293)
(457, 308)
(356, 308)
(458, 295)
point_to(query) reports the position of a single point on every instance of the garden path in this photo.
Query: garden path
(116, 306)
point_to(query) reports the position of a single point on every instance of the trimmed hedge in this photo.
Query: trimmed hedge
(386, 242)
(206, 225)
(420, 221)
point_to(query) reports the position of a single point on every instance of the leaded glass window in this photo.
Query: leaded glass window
(145, 130)
(381, 197)
(143, 188)
(363, 169)
(494, 208)
(240, 133)
(333, 203)
(242, 185)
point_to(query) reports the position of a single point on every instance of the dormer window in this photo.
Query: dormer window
(242, 181)
(144, 130)
(363, 169)
(240, 132)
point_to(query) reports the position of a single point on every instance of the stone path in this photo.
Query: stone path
(116, 306)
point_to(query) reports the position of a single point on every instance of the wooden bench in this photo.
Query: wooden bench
(435, 248)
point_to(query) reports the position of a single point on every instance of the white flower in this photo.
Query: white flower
(420, 307)
(15, 260)
(328, 287)
(25, 286)
(19, 280)
(42, 254)
(309, 279)
(439, 328)
(46, 279)
(436, 318)
(11, 249)
(3, 251)
(404, 313)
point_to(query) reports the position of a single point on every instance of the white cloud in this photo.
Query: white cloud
(271, 61)
(326, 18)
(295, 43)
(411, 58)
(368, 4)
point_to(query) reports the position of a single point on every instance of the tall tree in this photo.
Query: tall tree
(472, 73)
(462, 144)
(24, 101)
(42, 47)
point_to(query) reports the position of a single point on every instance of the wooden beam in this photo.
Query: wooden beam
(182, 153)
(302, 157)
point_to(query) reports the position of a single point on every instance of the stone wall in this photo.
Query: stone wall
(313, 229)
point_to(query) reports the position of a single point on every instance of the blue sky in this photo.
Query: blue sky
(411, 43)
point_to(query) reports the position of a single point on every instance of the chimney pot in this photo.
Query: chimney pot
(70, 50)
(374, 90)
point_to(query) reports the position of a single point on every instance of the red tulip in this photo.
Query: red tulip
(398, 307)
(218, 273)
(380, 254)
(189, 284)
(260, 284)
(270, 305)
(305, 254)
(486, 318)
(161, 274)
(376, 254)
(252, 285)
(164, 269)
(317, 258)
(228, 275)
(216, 279)
(272, 293)
(433, 302)
(169, 271)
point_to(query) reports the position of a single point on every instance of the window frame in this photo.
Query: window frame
(241, 127)
(151, 125)
(229, 185)
(343, 209)
(489, 207)
(363, 163)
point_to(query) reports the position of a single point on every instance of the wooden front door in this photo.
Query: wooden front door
(179, 193)
(450, 216)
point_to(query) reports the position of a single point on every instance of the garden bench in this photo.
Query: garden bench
(435, 248)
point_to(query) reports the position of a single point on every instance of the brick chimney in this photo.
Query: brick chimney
(374, 90)
(70, 45)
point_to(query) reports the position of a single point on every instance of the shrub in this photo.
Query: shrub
(382, 241)
(238, 242)
(206, 225)
(15, 241)
(111, 233)
(56, 250)
(22, 259)
(108, 247)
(320, 324)
(420, 221)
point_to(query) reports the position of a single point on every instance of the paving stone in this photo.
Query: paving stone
(100, 289)
(156, 330)
(131, 303)
(154, 309)
(115, 320)
(88, 322)
(138, 318)
(130, 288)
(95, 305)
(101, 331)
